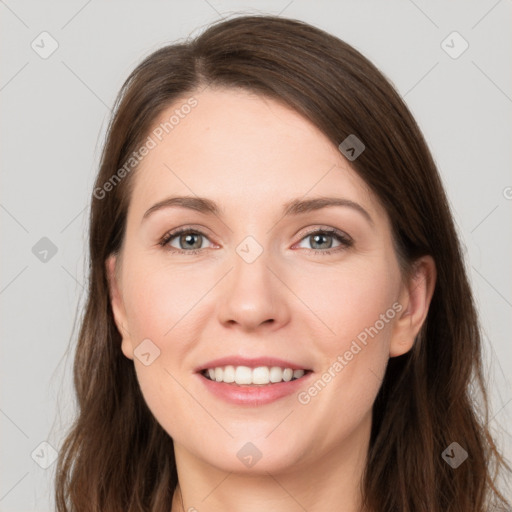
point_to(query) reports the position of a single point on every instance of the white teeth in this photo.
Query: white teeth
(297, 374)
(276, 374)
(261, 375)
(229, 374)
(243, 374)
(287, 374)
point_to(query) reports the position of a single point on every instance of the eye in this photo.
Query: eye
(188, 240)
(191, 240)
(322, 240)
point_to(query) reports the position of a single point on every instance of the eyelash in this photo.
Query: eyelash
(344, 239)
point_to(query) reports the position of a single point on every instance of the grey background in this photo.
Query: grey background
(54, 115)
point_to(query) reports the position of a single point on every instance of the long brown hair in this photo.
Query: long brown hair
(116, 456)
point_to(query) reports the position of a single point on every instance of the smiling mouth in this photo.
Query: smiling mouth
(246, 376)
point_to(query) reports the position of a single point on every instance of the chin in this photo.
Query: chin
(253, 456)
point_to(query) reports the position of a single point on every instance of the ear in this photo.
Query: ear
(415, 298)
(116, 301)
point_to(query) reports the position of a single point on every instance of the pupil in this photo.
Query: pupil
(189, 240)
(316, 237)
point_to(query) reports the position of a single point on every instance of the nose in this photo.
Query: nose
(253, 295)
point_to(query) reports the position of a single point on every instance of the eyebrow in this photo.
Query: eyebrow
(293, 207)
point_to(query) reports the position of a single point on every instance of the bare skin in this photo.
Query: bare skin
(251, 155)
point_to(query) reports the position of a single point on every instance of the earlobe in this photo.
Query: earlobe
(116, 302)
(415, 299)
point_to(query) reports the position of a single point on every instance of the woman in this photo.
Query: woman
(228, 359)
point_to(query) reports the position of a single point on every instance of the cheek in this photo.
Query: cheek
(159, 307)
(346, 301)
(357, 308)
(158, 301)
(163, 305)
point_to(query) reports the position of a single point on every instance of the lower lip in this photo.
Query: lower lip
(253, 395)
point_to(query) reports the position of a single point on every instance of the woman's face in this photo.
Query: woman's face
(257, 279)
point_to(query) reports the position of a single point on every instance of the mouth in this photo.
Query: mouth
(253, 386)
(246, 376)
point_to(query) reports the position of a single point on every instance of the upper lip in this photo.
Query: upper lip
(250, 362)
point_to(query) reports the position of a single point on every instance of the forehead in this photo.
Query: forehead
(244, 149)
